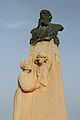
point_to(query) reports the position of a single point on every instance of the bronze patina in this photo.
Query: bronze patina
(45, 30)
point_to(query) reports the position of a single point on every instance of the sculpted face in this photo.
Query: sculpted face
(40, 60)
(45, 18)
(45, 14)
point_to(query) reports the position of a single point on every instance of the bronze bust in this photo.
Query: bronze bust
(45, 30)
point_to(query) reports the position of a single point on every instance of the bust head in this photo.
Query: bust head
(45, 18)
(45, 14)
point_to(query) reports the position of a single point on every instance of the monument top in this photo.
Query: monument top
(45, 30)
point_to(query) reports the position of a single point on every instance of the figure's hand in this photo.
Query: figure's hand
(25, 65)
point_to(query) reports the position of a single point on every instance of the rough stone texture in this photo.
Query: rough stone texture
(40, 92)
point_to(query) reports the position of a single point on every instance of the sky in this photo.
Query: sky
(17, 18)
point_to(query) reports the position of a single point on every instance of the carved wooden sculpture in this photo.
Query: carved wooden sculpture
(40, 93)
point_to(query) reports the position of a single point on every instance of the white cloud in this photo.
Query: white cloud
(16, 24)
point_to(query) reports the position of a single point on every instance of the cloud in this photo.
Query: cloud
(14, 24)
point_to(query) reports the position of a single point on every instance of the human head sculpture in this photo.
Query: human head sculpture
(45, 18)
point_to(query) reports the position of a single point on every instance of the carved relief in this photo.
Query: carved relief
(30, 78)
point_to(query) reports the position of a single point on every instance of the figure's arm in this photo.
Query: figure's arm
(58, 27)
(27, 80)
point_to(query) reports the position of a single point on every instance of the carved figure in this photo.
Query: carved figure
(45, 30)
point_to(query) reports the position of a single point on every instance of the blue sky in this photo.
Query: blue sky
(17, 18)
